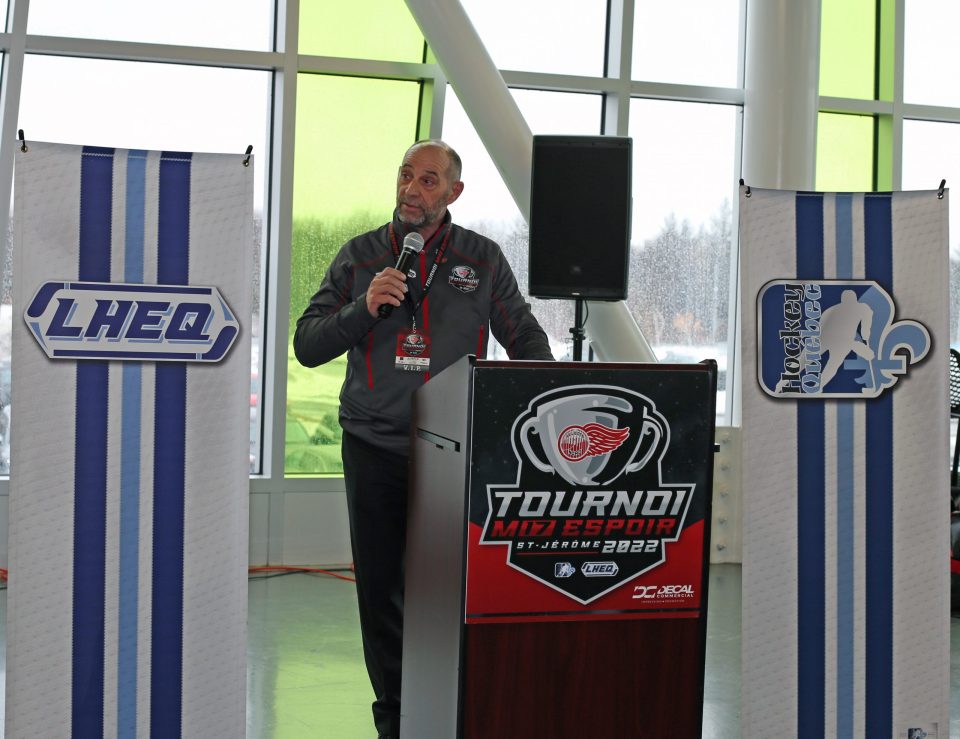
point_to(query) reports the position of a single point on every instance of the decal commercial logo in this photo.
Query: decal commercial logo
(835, 339)
(663, 592)
(89, 320)
(464, 278)
(589, 484)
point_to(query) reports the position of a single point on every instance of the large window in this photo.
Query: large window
(684, 170)
(848, 36)
(487, 207)
(146, 106)
(360, 29)
(556, 36)
(345, 175)
(845, 152)
(693, 42)
(929, 146)
(214, 77)
(234, 24)
(929, 64)
(924, 165)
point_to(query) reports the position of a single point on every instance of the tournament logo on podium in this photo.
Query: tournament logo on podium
(589, 509)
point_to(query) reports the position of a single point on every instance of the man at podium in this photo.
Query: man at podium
(398, 327)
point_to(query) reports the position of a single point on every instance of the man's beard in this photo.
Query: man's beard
(427, 217)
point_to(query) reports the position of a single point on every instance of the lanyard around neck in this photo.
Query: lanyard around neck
(433, 270)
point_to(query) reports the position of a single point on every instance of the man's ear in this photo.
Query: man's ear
(455, 192)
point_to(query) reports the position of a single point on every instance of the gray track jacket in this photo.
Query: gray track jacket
(473, 289)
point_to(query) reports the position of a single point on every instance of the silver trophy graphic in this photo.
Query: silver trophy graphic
(578, 432)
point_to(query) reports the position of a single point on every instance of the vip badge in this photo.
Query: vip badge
(413, 352)
(834, 339)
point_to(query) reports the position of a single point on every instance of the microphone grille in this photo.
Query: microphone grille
(413, 241)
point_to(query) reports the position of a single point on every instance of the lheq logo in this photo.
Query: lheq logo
(833, 339)
(88, 320)
(588, 484)
(464, 278)
(599, 569)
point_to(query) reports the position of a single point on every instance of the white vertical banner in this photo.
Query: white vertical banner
(845, 465)
(129, 468)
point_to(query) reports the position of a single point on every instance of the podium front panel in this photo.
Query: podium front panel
(588, 492)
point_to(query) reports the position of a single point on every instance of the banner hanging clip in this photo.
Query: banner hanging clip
(246, 156)
(747, 193)
(23, 144)
(943, 184)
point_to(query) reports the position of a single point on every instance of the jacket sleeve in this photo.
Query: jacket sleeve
(511, 319)
(335, 320)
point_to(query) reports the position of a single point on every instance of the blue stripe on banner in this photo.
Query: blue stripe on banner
(90, 465)
(136, 192)
(845, 506)
(174, 215)
(811, 535)
(129, 578)
(845, 561)
(879, 483)
(809, 236)
(129, 585)
(169, 460)
(96, 207)
(844, 226)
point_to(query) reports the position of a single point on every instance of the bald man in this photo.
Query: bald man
(459, 289)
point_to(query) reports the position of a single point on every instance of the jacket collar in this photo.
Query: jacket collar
(402, 229)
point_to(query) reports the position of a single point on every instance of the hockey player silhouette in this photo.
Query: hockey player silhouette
(844, 328)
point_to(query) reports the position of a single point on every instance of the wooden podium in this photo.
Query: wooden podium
(557, 551)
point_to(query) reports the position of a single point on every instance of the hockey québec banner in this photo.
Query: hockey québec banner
(845, 464)
(128, 505)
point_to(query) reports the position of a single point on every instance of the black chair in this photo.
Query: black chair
(955, 412)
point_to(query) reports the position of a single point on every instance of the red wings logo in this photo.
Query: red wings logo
(577, 442)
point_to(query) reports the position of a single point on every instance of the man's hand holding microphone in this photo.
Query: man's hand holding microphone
(388, 287)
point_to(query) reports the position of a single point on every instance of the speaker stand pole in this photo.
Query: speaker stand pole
(578, 333)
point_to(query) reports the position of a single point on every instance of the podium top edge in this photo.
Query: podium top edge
(705, 366)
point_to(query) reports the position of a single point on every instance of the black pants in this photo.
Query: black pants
(376, 483)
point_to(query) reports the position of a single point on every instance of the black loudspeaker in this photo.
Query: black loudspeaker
(580, 217)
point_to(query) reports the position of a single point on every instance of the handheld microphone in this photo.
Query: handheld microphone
(412, 245)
